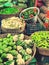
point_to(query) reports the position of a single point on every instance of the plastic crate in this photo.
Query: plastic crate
(31, 28)
(44, 60)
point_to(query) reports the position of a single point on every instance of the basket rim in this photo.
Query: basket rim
(46, 49)
(43, 51)
(34, 50)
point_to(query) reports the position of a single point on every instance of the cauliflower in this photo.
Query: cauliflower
(10, 57)
(29, 51)
(28, 41)
(15, 38)
(19, 56)
(20, 62)
(19, 48)
(21, 36)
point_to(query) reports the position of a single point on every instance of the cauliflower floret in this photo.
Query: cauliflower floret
(21, 36)
(19, 48)
(19, 56)
(10, 57)
(29, 51)
(15, 38)
(28, 41)
(12, 63)
(20, 62)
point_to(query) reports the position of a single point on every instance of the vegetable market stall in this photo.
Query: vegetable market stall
(28, 45)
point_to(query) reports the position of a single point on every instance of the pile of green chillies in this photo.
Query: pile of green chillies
(41, 39)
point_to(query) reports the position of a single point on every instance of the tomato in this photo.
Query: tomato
(23, 17)
(31, 15)
(46, 25)
(48, 12)
(47, 16)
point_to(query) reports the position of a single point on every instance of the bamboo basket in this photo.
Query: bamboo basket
(21, 30)
(15, 30)
(3, 16)
(43, 51)
(26, 37)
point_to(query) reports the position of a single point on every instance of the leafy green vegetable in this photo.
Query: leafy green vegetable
(26, 57)
(0, 60)
(1, 64)
(14, 52)
(3, 55)
(22, 51)
(9, 62)
(9, 10)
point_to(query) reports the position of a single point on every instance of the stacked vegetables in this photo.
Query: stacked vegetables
(9, 10)
(22, 3)
(13, 23)
(14, 50)
(30, 13)
(2, 2)
(5, 0)
(41, 39)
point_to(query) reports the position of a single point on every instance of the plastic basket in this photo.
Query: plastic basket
(34, 19)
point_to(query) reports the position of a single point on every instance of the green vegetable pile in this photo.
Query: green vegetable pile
(9, 10)
(30, 13)
(5, 0)
(41, 39)
(14, 50)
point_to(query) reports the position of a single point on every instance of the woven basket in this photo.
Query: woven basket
(3, 16)
(26, 37)
(43, 51)
(5, 30)
(34, 52)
